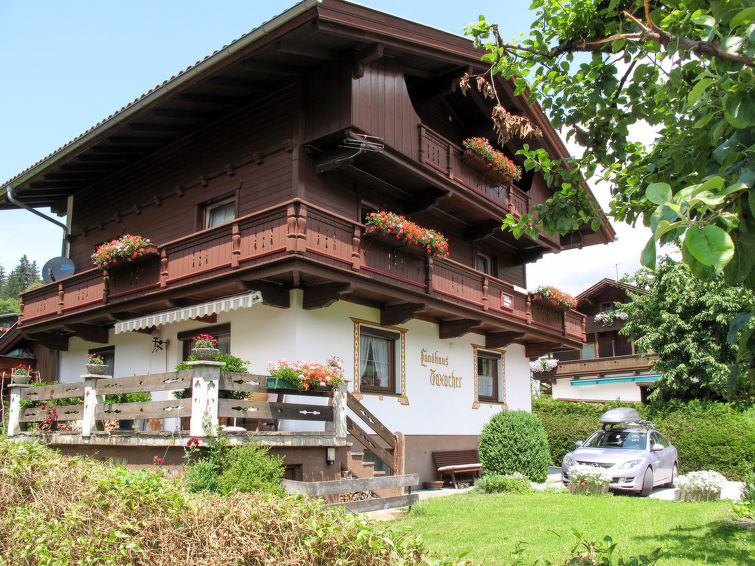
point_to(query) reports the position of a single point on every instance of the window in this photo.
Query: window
(108, 357)
(484, 264)
(377, 360)
(588, 351)
(219, 212)
(221, 332)
(605, 307)
(487, 376)
(365, 211)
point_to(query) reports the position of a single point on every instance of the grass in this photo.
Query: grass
(487, 526)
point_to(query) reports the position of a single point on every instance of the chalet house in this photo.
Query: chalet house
(253, 171)
(607, 367)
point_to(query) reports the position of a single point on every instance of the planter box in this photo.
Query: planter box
(698, 495)
(584, 489)
(373, 233)
(545, 303)
(478, 162)
(150, 252)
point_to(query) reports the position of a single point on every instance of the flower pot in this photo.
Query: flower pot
(205, 354)
(20, 379)
(97, 369)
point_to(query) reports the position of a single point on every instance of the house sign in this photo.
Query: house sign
(437, 376)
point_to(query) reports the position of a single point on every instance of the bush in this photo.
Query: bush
(512, 483)
(64, 510)
(515, 441)
(708, 436)
(228, 469)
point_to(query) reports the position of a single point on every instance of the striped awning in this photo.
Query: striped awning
(227, 304)
(621, 379)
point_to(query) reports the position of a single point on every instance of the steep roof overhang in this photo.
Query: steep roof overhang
(243, 71)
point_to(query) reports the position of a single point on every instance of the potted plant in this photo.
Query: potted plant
(554, 298)
(96, 365)
(480, 154)
(21, 374)
(128, 248)
(306, 375)
(205, 347)
(402, 231)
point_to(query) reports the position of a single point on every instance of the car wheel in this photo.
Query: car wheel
(647, 483)
(674, 473)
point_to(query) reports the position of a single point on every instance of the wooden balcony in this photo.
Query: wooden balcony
(447, 158)
(603, 366)
(222, 258)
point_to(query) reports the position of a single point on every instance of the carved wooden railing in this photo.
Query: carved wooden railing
(300, 228)
(447, 158)
(203, 405)
(604, 365)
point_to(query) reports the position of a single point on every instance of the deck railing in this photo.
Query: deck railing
(305, 230)
(604, 365)
(83, 405)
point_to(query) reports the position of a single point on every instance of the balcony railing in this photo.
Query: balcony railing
(306, 231)
(447, 158)
(594, 366)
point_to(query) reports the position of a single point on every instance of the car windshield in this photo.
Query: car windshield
(612, 438)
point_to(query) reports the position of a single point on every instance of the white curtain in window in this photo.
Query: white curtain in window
(485, 377)
(221, 214)
(374, 354)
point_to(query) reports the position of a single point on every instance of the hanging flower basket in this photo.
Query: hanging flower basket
(553, 298)
(479, 154)
(20, 375)
(126, 250)
(205, 347)
(395, 230)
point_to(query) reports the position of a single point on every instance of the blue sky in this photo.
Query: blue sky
(68, 65)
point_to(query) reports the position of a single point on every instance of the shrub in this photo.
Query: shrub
(511, 483)
(708, 436)
(64, 510)
(700, 486)
(515, 441)
(228, 469)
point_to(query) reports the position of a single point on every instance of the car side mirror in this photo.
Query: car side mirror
(579, 443)
(657, 446)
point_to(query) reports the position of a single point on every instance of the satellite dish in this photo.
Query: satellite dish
(58, 268)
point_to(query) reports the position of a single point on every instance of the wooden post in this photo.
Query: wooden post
(163, 268)
(301, 228)
(485, 286)
(399, 454)
(291, 228)
(356, 252)
(528, 312)
(338, 402)
(235, 245)
(429, 275)
(204, 398)
(61, 297)
(14, 411)
(91, 401)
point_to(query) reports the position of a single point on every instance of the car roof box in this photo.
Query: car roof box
(620, 415)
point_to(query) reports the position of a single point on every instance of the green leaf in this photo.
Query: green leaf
(698, 90)
(737, 324)
(751, 199)
(648, 254)
(710, 245)
(739, 111)
(708, 21)
(743, 17)
(663, 212)
(658, 193)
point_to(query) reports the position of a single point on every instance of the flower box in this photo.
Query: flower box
(396, 230)
(553, 299)
(480, 154)
(478, 162)
(373, 233)
(126, 250)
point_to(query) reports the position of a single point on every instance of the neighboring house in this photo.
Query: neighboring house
(254, 171)
(6, 321)
(607, 368)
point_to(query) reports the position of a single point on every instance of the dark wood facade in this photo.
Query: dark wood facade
(273, 127)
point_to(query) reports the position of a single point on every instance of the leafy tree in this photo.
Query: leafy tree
(685, 320)
(9, 305)
(684, 67)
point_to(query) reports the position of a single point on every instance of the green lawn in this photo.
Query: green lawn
(491, 526)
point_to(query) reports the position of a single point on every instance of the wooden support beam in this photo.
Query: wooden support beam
(482, 230)
(308, 51)
(391, 315)
(321, 296)
(273, 294)
(270, 69)
(425, 199)
(456, 328)
(89, 332)
(534, 350)
(50, 340)
(365, 57)
(501, 339)
(529, 255)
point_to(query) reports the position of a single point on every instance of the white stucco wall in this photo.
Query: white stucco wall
(261, 334)
(628, 391)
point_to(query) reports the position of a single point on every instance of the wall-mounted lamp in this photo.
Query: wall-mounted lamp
(157, 343)
(330, 456)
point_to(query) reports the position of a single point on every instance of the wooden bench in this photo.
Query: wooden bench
(452, 462)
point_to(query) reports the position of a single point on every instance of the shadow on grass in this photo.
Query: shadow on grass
(715, 542)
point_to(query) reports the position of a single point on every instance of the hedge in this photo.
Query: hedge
(515, 441)
(708, 436)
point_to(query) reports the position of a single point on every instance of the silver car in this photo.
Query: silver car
(637, 456)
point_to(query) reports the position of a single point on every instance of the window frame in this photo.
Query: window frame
(393, 338)
(485, 258)
(499, 385)
(398, 382)
(209, 207)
